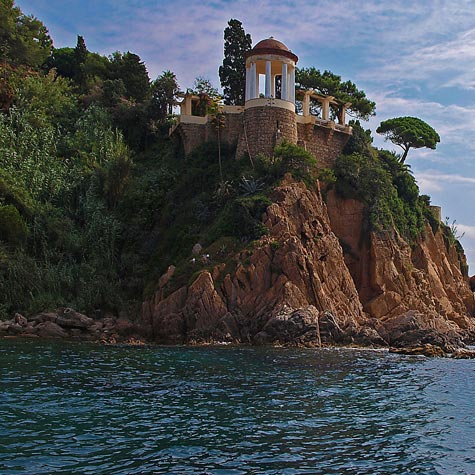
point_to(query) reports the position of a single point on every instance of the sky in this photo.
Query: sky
(411, 58)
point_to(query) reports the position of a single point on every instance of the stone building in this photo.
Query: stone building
(269, 114)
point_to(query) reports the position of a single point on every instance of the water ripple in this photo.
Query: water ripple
(85, 409)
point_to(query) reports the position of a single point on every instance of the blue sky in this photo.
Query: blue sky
(411, 58)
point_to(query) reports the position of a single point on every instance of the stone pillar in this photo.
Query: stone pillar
(306, 104)
(248, 83)
(284, 95)
(268, 78)
(272, 92)
(342, 113)
(437, 212)
(292, 85)
(252, 81)
(188, 102)
(256, 92)
(326, 108)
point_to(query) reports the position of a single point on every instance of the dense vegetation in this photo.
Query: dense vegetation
(72, 125)
(384, 184)
(96, 201)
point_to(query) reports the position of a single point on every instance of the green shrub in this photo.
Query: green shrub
(12, 192)
(240, 218)
(327, 175)
(386, 187)
(360, 141)
(13, 229)
(296, 160)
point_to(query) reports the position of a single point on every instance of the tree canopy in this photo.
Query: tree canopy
(64, 61)
(330, 84)
(83, 67)
(23, 38)
(208, 94)
(233, 71)
(164, 91)
(409, 132)
(131, 69)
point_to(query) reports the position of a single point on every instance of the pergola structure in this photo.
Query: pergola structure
(325, 102)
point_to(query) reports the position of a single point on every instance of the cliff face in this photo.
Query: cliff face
(294, 286)
(394, 278)
(299, 286)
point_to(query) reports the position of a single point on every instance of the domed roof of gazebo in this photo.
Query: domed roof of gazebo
(271, 43)
(272, 46)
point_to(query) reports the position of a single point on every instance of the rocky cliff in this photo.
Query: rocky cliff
(414, 292)
(319, 278)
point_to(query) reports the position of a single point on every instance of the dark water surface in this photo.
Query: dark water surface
(84, 409)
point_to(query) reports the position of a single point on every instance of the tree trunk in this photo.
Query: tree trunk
(404, 155)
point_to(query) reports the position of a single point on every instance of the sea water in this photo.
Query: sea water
(75, 408)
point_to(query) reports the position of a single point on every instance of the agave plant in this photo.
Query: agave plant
(250, 186)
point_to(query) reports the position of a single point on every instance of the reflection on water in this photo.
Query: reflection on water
(85, 409)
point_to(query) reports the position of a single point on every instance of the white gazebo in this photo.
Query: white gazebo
(272, 59)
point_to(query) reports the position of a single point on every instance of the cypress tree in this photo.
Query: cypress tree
(233, 71)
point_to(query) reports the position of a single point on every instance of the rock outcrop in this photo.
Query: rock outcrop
(393, 277)
(298, 266)
(318, 278)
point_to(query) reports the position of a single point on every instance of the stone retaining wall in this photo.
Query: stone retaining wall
(324, 143)
(194, 135)
(264, 128)
(259, 129)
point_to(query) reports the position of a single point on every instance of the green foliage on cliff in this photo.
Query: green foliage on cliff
(59, 234)
(384, 184)
(64, 167)
(13, 229)
(295, 160)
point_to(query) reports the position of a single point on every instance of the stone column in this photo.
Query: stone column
(306, 104)
(326, 108)
(268, 78)
(256, 92)
(342, 113)
(252, 81)
(272, 92)
(292, 85)
(248, 83)
(284, 95)
(188, 102)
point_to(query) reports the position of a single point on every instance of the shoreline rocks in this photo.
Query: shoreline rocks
(317, 278)
(290, 328)
(68, 324)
